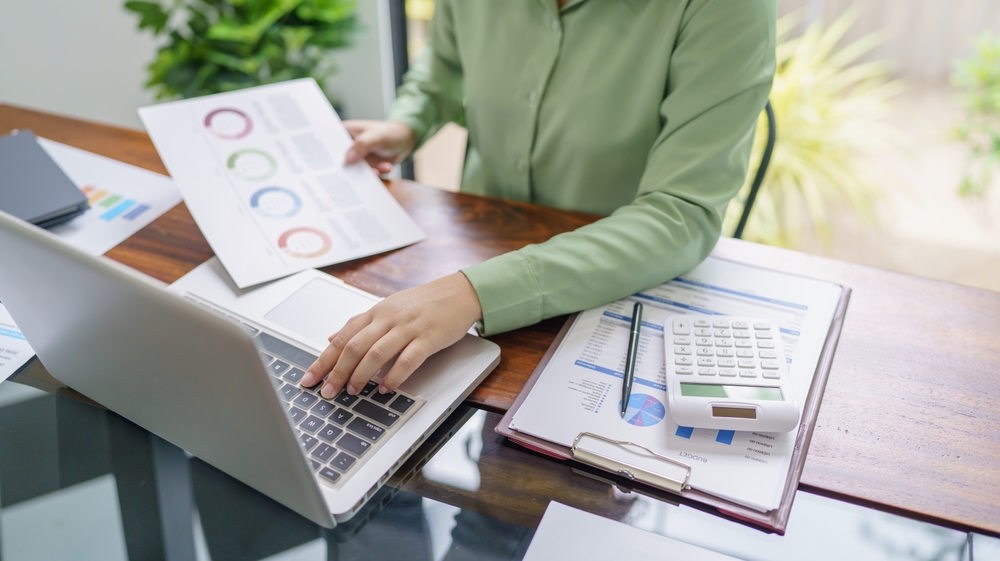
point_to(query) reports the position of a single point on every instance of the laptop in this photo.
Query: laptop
(214, 370)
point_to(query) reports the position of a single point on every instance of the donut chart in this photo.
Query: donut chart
(304, 242)
(252, 164)
(228, 123)
(275, 202)
(644, 410)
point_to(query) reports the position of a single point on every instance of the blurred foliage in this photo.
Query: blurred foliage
(827, 105)
(978, 77)
(222, 45)
(422, 10)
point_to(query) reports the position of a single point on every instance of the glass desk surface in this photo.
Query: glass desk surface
(78, 482)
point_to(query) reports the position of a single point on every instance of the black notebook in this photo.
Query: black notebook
(32, 186)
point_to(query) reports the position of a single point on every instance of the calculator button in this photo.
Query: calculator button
(706, 351)
(741, 334)
(703, 332)
(762, 325)
(706, 362)
(768, 354)
(727, 372)
(720, 323)
(741, 325)
(702, 323)
(724, 352)
(682, 350)
(683, 370)
(742, 344)
(703, 341)
(746, 363)
(727, 363)
(744, 353)
(771, 374)
(748, 373)
(683, 361)
(682, 327)
(682, 340)
(723, 333)
(763, 334)
(765, 344)
(706, 372)
(769, 364)
(723, 342)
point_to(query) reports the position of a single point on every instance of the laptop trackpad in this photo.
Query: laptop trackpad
(318, 309)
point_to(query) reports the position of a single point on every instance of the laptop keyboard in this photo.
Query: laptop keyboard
(337, 434)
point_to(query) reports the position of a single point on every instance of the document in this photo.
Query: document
(123, 198)
(568, 533)
(580, 388)
(14, 349)
(262, 172)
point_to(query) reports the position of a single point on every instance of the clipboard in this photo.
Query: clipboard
(673, 475)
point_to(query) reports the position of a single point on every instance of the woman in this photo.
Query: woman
(640, 110)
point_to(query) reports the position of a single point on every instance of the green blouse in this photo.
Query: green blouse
(639, 110)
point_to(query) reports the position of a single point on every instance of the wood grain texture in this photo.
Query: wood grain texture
(910, 421)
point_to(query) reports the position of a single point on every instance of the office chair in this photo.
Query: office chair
(761, 170)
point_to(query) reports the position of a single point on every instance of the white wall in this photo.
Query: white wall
(85, 58)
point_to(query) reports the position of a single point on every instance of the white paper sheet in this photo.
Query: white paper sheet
(123, 198)
(581, 387)
(568, 533)
(14, 349)
(262, 172)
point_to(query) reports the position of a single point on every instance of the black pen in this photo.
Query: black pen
(633, 349)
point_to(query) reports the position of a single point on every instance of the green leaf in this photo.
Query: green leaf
(152, 15)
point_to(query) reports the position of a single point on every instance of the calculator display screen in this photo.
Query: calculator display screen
(763, 393)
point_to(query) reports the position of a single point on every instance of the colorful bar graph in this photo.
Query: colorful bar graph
(87, 189)
(135, 212)
(725, 437)
(120, 208)
(684, 432)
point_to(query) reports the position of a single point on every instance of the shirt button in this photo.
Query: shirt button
(532, 98)
(555, 25)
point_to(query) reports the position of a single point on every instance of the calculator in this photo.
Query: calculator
(728, 373)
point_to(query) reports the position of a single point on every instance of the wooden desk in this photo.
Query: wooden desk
(910, 420)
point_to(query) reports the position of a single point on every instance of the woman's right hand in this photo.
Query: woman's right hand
(381, 143)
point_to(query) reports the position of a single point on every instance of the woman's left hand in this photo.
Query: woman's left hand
(414, 324)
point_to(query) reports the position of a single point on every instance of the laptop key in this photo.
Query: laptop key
(343, 461)
(354, 445)
(294, 375)
(305, 400)
(345, 399)
(376, 413)
(322, 408)
(277, 367)
(323, 452)
(401, 404)
(266, 358)
(311, 424)
(330, 433)
(275, 381)
(315, 465)
(308, 442)
(382, 398)
(296, 414)
(288, 392)
(369, 388)
(284, 350)
(367, 429)
(341, 416)
(329, 475)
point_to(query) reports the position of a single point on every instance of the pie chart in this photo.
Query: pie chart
(228, 123)
(644, 410)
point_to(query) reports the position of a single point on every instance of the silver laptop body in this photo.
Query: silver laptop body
(192, 377)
